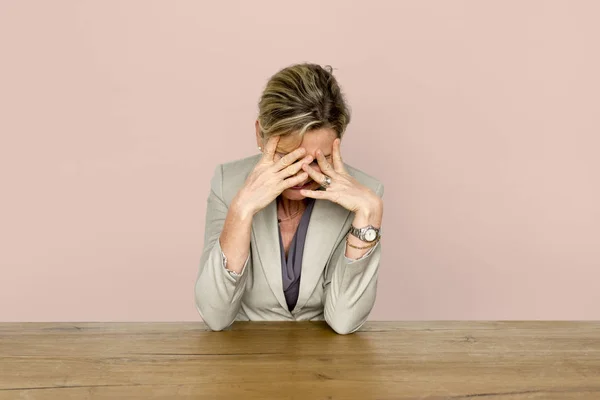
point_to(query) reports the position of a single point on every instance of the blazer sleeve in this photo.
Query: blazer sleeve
(350, 287)
(218, 291)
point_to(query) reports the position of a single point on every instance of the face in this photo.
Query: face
(315, 139)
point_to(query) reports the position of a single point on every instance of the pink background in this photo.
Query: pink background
(481, 118)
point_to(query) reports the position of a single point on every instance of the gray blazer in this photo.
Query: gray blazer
(332, 287)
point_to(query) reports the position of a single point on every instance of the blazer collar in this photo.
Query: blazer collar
(324, 229)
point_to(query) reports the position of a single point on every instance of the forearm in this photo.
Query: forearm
(351, 291)
(235, 236)
(351, 288)
(218, 292)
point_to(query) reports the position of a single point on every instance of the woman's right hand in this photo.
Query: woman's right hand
(270, 177)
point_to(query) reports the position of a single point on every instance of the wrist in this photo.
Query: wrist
(369, 214)
(241, 209)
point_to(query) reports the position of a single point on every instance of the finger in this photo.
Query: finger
(314, 174)
(315, 194)
(293, 181)
(289, 158)
(270, 148)
(295, 167)
(338, 163)
(324, 164)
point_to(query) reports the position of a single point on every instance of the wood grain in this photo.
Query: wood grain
(303, 360)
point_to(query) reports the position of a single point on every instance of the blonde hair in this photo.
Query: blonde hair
(300, 98)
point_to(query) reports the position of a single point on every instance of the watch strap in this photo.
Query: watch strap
(360, 232)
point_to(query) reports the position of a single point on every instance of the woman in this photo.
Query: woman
(292, 233)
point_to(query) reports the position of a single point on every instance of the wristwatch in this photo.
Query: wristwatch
(367, 234)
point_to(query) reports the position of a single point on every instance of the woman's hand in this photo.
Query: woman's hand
(269, 178)
(344, 190)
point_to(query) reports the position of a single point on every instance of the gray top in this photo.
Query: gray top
(291, 267)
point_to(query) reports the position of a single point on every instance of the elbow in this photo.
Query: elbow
(343, 323)
(213, 318)
(341, 330)
(346, 317)
(217, 325)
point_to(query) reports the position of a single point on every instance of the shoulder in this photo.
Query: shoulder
(230, 176)
(238, 168)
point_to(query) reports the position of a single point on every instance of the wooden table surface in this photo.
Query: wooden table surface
(302, 360)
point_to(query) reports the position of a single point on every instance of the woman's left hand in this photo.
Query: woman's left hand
(344, 190)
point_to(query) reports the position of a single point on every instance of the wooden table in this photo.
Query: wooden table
(304, 360)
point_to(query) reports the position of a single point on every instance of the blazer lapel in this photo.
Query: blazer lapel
(266, 237)
(326, 222)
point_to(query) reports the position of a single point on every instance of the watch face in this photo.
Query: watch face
(370, 235)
